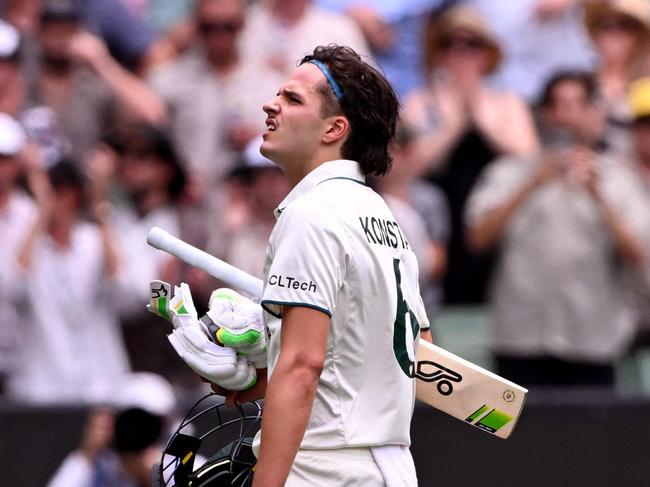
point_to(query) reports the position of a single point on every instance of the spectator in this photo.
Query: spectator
(421, 208)
(280, 32)
(128, 38)
(81, 83)
(461, 125)
(16, 214)
(257, 187)
(141, 165)
(620, 30)
(393, 31)
(573, 111)
(569, 224)
(640, 104)
(119, 446)
(214, 93)
(539, 37)
(71, 349)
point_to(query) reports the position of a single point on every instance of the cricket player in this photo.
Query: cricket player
(342, 311)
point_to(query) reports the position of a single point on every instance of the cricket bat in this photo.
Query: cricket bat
(445, 381)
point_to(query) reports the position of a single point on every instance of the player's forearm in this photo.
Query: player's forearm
(283, 427)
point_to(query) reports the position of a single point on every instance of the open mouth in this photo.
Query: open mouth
(271, 125)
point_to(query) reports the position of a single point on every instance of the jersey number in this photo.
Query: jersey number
(404, 318)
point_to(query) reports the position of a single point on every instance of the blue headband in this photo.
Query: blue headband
(338, 93)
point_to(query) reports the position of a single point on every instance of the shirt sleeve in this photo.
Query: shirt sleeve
(308, 260)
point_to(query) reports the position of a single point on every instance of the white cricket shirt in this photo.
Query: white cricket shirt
(337, 248)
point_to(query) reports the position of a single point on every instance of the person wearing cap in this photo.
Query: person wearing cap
(569, 223)
(461, 125)
(17, 211)
(81, 82)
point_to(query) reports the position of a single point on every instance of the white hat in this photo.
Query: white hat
(147, 391)
(9, 40)
(12, 136)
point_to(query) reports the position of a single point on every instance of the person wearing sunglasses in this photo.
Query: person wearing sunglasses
(214, 92)
(461, 125)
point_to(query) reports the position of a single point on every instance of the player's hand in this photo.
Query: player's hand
(218, 364)
(240, 324)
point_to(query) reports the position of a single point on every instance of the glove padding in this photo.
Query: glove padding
(240, 324)
(218, 364)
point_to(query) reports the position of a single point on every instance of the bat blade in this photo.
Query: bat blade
(445, 381)
(467, 392)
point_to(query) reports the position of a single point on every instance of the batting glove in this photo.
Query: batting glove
(218, 364)
(239, 324)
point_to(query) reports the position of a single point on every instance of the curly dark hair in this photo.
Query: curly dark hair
(368, 102)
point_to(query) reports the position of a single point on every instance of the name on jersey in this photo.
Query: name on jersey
(383, 232)
(292, 283)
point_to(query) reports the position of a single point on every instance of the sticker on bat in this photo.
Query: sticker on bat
(429, 371)
(492, 421)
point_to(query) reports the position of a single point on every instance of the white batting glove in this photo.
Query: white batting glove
(218, 364)
(240, 324)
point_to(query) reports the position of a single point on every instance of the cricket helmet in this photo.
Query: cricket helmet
(212, 446)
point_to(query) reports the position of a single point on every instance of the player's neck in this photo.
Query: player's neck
(296, 173)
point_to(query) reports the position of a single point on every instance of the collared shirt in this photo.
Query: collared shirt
(337, 248)
(559, 287)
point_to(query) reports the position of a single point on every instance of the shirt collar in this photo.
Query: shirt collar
(339, 169)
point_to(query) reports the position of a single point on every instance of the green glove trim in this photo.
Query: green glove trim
(161, 308)
(231, 340)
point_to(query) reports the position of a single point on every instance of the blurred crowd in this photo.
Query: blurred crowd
(521, 171)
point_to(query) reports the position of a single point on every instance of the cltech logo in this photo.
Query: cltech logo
(292, 283)
(429, 371)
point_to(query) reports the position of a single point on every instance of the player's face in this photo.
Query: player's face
(294, 125)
